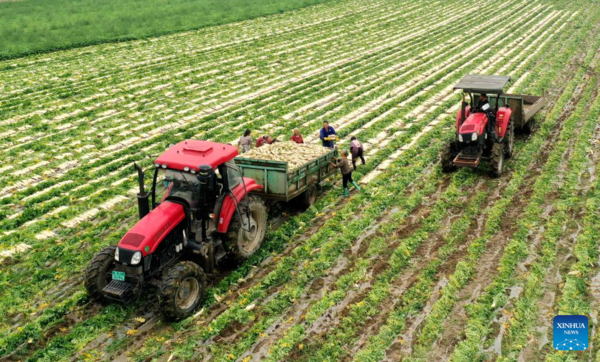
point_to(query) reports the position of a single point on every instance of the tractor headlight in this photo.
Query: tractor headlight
(117, 254)
(474, 136)
(136, 258)
(460, 139)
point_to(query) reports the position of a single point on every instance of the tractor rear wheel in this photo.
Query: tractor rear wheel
(497, 159)
(308, 197)
(181, 290)
(447, 157)
(97, 273)
(244, 239)
(509, 139)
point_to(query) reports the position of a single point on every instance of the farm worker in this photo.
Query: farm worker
(297, 137)
(245, 141)
(482, 101)
(344, 166)
(327, 135)
(490, 115)
(265, 139)
(357, 151)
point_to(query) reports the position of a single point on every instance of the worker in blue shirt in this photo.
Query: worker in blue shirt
(327, 135)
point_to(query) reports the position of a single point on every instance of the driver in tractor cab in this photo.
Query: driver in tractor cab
(482, 101)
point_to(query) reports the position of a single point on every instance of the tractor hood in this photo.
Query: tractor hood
(147, 234)
(474, 123)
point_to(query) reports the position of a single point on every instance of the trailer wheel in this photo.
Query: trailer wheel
(245, 240)
(530, 126)
(497, 159)
(97, 272)
(447, 157)
(308, 197)
(510, 140)
(181, 290)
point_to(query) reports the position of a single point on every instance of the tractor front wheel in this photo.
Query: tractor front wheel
(97, 273)
(181, 290)
(244, 239)
(497, 159)
(447, 157)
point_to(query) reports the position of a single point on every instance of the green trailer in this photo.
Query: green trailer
(283, 184)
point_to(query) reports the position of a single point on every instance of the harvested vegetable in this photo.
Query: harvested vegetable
(293, 153)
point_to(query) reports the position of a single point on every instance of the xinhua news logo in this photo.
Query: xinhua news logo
(570, 333)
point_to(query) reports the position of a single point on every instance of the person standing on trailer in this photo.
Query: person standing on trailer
(245, 141)
(297, 137)
(327, 135)
(346, 170)
(357, 151)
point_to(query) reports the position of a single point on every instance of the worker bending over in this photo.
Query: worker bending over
(346, 170)
(357, 151)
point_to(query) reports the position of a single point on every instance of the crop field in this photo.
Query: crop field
(419, 266)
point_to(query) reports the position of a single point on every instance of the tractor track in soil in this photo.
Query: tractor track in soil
(426, 252)
(328, 321)
(345, 261)
(453, 327)
(399, 349)
(358, 249)
(553, 281)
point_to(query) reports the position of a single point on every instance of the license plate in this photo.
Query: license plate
(118, 275)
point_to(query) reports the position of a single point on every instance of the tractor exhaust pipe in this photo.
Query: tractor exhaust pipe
(142, 196)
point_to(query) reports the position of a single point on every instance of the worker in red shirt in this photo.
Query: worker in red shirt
(297, 137)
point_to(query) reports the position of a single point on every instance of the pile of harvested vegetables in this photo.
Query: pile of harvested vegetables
(293, 153)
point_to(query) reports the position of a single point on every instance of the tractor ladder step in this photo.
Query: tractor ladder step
(117, 289)
(466, 160)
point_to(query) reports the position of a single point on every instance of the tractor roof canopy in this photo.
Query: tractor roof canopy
(493, 84)
(193, 153)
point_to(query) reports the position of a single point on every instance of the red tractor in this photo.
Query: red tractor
(485, 127)
(201, 211)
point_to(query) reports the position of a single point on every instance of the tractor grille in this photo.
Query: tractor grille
(117, 289)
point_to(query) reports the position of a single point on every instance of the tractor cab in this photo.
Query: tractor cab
(484, 130)
(195, 174)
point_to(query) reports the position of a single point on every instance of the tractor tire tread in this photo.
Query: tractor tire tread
(497, 159)
(168, 284)
(235, 226)
(447, 158)
(94, 270)
(510, 141)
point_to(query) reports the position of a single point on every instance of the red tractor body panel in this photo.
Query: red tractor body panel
(502, 118)
(228, 207)
(151, 230)
(474, 123)
(459, 115)
(193, 153)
